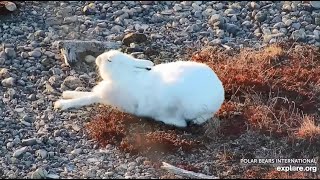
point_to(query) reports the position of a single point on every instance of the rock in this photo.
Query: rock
(288, 22)
(2, 60)
(89, 9)
(232, 28)
(42, 153)
(29, 142)
(4, 73)
(134, 38)
(215, 18)
(72, 82)
(316, 34)
(177, 7)
(146, 2)
(39, 33)
(35, 53)
(8, 82)
(315, 4)
(24, 55)
(296, 26)
(20, 152)
(254, 5)
(10, 52)
(76, 151)
(90, 59)
(260, 16)
(298, 35)
(287, 7)
(40, 173)
(3, 55)
(53, 176)
(7, 7)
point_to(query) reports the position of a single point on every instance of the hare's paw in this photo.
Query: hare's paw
(60, 104)
(67, 95)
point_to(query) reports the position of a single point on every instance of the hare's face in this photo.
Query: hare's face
(114, 62)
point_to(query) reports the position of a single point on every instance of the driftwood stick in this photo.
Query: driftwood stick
(73, 50)
(185, 173)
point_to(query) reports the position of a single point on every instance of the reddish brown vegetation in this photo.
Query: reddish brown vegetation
(268, 88)
(138, 135)
(274, 91)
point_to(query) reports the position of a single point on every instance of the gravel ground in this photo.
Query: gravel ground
(37, 141)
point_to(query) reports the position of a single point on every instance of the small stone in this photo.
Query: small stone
(260, 16)
(40, 173)
(146, 2)
(4, 73)
(8, 82)
(29, 142)
(288, 22)
(35, 53)
(296, 26)
(315, 4)
(53, 176)
(24, 55)
(42, 153)
(109, 173)
(134, 38)
(76, 151)
(215, 18)
(2, 60)
(298, 35)
(10, 52)
(20, 151)
(72, 82)
(287, 7)
(254, 5)
(90, 59)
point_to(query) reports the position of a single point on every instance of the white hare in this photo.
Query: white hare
(174, 93)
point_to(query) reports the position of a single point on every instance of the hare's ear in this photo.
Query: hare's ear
(98, 60)
(142, 63)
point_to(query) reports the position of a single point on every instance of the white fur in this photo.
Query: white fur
(173, 93)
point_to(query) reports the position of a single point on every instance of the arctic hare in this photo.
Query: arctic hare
(174, 93)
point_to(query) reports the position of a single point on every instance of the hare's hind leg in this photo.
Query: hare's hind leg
(76, 103)
(181, 123)
(75, 94)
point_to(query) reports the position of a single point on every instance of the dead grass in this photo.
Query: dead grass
(269, 89)
(274, 91)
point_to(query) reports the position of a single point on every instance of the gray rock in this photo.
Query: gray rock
(35, 53)
(10, 52)
(2, 60)
(279, 25)
(215, 18)
(17, 153)
(288, 22)
(232, 28)
(24, 55)
(8, 82)
(29, 142)
(39, 173)
(296, 26)
(315, 4)
(298, 35)
(260, 16)
(134, 38)
(72, 82)
(42, 153)
(3, 55)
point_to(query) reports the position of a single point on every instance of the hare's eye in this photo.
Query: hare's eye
(109, 60)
